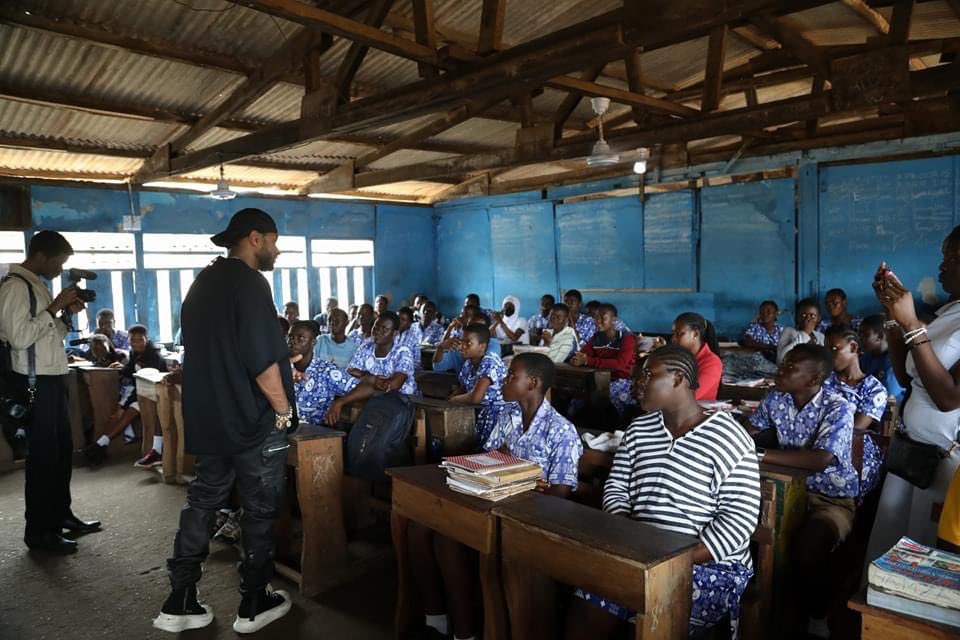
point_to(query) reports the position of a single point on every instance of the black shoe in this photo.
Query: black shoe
(51, 542)
(75, 524)
(260, 608)
(95, 454)
(183, 611)
(20, 448)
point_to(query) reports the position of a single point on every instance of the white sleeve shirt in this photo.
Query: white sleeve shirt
(20, 330)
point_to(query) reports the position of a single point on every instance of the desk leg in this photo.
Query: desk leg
(149, 423)
(408, 610)
(669, 599)
(319, 473)
(184, 461)
(531, 602)
(494, 610)
(168, 428)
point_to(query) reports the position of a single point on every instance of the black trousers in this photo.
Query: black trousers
(49, 463)
(260, 476)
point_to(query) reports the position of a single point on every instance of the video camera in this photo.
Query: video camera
(75, 276)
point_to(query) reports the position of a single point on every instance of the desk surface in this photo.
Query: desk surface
(908, 626)
(433, 479)
(596, 529)
(440, 403)
(313, 432)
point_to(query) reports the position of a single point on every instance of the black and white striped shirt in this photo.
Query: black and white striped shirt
(705, 483)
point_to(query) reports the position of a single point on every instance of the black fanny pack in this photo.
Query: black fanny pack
(915, 462)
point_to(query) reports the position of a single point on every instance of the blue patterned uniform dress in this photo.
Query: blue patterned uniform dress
(324, 382)
(759, 333)
(399, 360)
(825, 423)
(491, 366)
(357, 336)
(411, 339)
(551, 441)
(538, 322)
(868, 397)
(620, 326)
(432, 334)
(586, 327)
(120, 340)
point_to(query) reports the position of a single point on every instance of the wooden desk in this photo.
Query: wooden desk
(103, 385)
(426, 357)
(177, 464)
(147, 396)
(420, 494)
(316, 453)
(636, 565)
(437, 384)
(78, 405)
(448, 428)
(783, 492)
(883, 624)
(589, 385)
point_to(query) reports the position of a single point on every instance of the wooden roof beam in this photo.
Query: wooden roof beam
(566, 83)
(357, 52)
(713, 75)
(900, 21)
(869, 15)
(424, 32)
(572, 100)
(794, 43)
(491, 26)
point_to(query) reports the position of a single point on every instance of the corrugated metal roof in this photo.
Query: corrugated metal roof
(66, 163)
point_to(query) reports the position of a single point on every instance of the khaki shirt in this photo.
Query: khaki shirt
(21, 331)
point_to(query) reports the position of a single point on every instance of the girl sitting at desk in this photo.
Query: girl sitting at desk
(697, 335)
(143, 354)
(507, 325)
(680, 469)
(316, 381)
(612, 349)
(808, 317)
(481, 377)
(763, 335)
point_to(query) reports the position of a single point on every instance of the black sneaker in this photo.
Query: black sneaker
(183, 611)
(95, 454)
(260, 608)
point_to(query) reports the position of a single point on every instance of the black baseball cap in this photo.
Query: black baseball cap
(242, 223)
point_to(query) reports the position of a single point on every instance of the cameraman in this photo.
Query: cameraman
(48, 466)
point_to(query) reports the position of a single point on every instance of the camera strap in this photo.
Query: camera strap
(32, 349)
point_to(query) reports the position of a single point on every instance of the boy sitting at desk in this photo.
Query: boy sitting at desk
(379, 365)
(481, 378)
(527, 428)
(536, 324)
(105, 326)
(813, 428)
(682, 470)
(612, 349)
(334, 345)
(559, 336)
(582, 323)
(316, 381)
(143, 354)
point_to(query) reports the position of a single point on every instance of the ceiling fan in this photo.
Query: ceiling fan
(223, 190)
(601, 155)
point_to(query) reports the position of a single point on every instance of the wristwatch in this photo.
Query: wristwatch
(284, 420)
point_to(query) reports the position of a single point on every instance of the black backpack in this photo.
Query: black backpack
(378, 439)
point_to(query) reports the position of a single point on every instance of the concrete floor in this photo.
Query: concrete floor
(115, 584)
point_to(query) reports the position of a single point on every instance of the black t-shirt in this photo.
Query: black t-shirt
(230, 331)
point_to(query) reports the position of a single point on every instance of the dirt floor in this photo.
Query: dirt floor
(115, 584)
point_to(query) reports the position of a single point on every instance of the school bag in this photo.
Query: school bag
(378, 439)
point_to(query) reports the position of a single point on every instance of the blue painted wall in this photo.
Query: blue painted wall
(403, 252)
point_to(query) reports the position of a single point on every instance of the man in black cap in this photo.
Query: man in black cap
(238, 407)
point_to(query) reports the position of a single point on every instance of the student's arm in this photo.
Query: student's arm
(738, 510)
(405, 368)
(749, 343)
(563, 463)
(833, 442)
(362, 391)
(580, 358)
(616, 491)
(512, 336)
(942, 385)
(862, 421)
(811, 460)
(475, 395)
(624, 356)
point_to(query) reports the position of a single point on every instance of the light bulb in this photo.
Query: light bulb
(640, 166)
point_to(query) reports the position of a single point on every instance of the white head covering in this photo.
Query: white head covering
(514, 322)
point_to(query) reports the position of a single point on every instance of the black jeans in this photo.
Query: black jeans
(260, 475)
(49, 463)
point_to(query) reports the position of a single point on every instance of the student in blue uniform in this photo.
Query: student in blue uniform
(449, 356)
(764, 334)
(473, 299)
(409, 334)
(431, 331)
(527, 428)
(380, 304)
(867, 395)
(875, 356)
(682, 470)
(583, 325)
(537, 323)
(335, 346)
(835, 303)
(379, 365)
(813, 428)
(316, 381)
(481, 377)
(613, 350)
(362, 329)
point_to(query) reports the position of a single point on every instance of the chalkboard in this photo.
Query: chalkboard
(524, 259)
(669, 250)
(747, 249)
(600, 244)
(463, 258)
(894, 211)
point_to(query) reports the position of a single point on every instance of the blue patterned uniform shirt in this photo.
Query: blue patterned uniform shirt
(868, 397)
(432, 334)
(325, 381)
(411, 339)
(855, 322)
(825, 423)
(538, 322)
(586, 327)
(551, 441)
(491, 366)
(759, 333)
(399, 360)
(357, 336)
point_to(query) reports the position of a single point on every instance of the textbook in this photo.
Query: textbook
(486, 463)
(493, 495)
(931, 612)
(917, 573)
(530, 472)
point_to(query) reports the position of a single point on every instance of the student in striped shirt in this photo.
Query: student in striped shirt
(680, 469)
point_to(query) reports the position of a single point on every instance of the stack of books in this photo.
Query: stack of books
(918, 581)
(491, 476)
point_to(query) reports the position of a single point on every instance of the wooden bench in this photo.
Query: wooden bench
(316, 454)
(420, 495)
(633, 564)
(883, 624)
(437, 384)
(452, 425)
